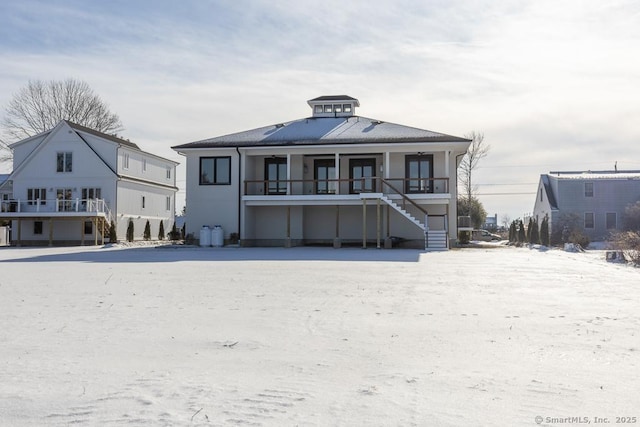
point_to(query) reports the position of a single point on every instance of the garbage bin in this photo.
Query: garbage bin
(205, 236)
(217, 236)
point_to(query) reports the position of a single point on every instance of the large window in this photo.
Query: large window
(275, 175)
(64, 161)
(362, 173)
(215, 170)
(419, 173)
(325, 170)
(612, 220)
(589, 220)
(33, 194)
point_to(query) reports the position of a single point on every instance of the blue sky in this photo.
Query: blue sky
(552, 85)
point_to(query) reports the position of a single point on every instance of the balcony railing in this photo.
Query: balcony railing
(55, 205)
(296, 187)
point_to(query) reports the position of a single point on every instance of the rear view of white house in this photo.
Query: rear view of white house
(332, 177)
(70, 183)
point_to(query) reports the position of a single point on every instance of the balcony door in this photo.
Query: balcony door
(65, 202)
(324, 171)
(275, 175)
(419, 173)
(362, 173)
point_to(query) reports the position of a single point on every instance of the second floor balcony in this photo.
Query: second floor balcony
(54, 206)
(321, 187)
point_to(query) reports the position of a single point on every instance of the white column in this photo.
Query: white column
(337, 166)
(288, 174)
(387, 157)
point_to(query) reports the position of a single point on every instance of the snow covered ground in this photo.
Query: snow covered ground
(315, 336)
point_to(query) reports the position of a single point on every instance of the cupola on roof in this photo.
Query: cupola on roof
(333, 106)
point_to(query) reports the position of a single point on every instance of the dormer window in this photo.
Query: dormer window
(333, 106)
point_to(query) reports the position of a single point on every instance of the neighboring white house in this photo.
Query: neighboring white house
(69, 183)
(595, 199)
(331, 178)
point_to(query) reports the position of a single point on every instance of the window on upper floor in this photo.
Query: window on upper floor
(144, 165)
(328, 108)
(168, 173)
(33, 194)
(346, 108)
(541, 194)
(588, 189)
(589, 220)
(337, 108)
(125, 161)
(215, 170)
(143, 202)
(64, 161)
(318, 109)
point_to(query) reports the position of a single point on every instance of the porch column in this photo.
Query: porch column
(387, 157)
(336, 241)
(378, 224)
(95, 231)
(287, 241)
(50, 231)
(388, 244)
(241, 206)
(364, 223)
(447, 173)
(288, 174)
(337, 167)
(19, 232)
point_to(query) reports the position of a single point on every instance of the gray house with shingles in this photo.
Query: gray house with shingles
(330, 178)
(597, 198)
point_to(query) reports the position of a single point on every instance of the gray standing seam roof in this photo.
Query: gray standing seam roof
(324, 131)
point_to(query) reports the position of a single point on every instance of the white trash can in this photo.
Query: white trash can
(205, 236)
(217, 236)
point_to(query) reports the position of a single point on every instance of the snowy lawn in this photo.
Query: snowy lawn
(315, 336)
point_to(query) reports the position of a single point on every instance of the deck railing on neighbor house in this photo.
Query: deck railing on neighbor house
(55, 205)
(296, 187)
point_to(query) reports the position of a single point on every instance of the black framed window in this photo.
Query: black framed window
(324, 171)
(275, 175)
(419, 173)
(88, 227)
(362, 173)
(64, 162)
(215, 170)
(37, 227)
(33, 194)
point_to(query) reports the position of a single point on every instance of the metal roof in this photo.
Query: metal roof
(324, 131)
(333, 98)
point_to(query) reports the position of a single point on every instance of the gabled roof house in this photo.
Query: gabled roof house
(596, 199)
(69, 183)
(332, 177)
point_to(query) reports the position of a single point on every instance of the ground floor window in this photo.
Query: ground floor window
(37, 227)
(612, 220)
(589, 220)
(88, 227)
(168, 203)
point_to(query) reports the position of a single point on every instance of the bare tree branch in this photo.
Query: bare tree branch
(40, 105)
(476, 152)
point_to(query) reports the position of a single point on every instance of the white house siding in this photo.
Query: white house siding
(211, 205)
(130, 196)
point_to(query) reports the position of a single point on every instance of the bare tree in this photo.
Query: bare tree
(476, 152)
(40, 105)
